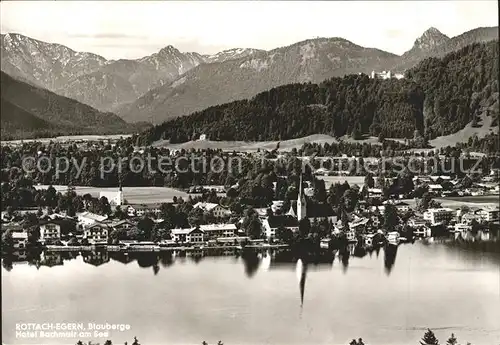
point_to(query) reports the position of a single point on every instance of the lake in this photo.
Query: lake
(389, 297)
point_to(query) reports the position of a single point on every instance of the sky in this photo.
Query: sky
(133, 29)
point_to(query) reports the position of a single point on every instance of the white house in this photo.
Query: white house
(438, 215)
(216, 210)
(402, 207)
(188, 235)
(139, 210)
(96, 233)
(50, 231)
(435, 188)
(20, 239)
(488, 214)
(374, 192)
(214, 231)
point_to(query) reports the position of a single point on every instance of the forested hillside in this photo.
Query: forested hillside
(30, 111)
(450, 92)
(458, 87)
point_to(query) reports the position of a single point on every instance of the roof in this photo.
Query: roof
(435, 186)
(206, 206)
(282, 220)
(319, 210)
(401, 203)
(212, 227)
(261, 211)
(439, 210)
(119, 222)
(92, 216)
(144, 206)
(185, 231)
(19, 235)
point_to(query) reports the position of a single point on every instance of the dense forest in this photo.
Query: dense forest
(458, 87)
(437, 97)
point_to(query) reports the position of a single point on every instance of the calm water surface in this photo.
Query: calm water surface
(385, 298)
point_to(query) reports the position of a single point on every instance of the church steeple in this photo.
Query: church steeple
(120, 194)
(301, 202)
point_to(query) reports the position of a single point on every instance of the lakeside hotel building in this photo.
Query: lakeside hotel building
(438, 215)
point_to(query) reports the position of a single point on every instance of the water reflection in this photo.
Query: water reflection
(253, 259)
(301, 270)
(251, 262)
(390, 252)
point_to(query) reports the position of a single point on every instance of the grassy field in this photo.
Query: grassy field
(248, 146)
(287, 145)
(133, 195)
(457, 202)
(72, 138)
(464, 134)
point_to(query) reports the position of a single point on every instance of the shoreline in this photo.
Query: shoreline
(117, 248)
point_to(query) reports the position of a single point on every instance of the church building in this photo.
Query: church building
(312, 211)
(114, 198)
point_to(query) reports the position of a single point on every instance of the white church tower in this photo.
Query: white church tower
(301, 202)
(120, 195)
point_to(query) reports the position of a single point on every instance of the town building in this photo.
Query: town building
(438, 215)
(272, 223)
(488, 214)
(89, 218)
(402, 207)
(214, 231)
(435, 189)
(96, 233)
(188, 235)
(314, 213)
(124, 224)
(213, 209)
(50, 231)
(385, 75)
(374, 192)
(20, 238)
(140, 210)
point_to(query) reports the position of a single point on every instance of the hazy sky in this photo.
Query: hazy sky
(119, 29)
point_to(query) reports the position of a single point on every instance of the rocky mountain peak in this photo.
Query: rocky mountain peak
(168, 50)
(431, 38)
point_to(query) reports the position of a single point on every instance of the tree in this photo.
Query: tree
(356, 131)
(390, 217)
(424, 202)
(452, 340)
(283, 234)
(369, 181)
(7, 241)
(252, 226)
(304, 227)
(429, 338)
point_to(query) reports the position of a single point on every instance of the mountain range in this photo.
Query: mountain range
(90, 78)
(169, 83)
(438, 97)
